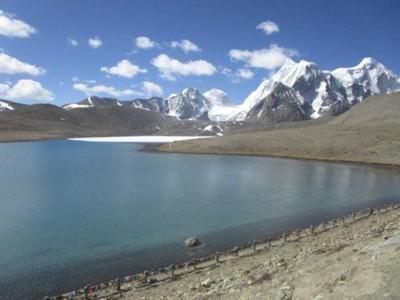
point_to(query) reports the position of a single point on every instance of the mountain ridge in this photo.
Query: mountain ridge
(310, 93)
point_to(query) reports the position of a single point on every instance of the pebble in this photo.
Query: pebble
(207, 283)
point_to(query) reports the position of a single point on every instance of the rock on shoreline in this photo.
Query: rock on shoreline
(192, 241)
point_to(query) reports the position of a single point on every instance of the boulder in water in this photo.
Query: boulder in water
(192, 242)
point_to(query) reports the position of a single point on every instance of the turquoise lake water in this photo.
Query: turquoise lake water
(73, 213)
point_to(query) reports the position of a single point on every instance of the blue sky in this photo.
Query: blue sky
(45, 52)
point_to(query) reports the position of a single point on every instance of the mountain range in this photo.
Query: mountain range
(317, 92)
(297, 91)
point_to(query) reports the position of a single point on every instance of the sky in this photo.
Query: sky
(62, 51)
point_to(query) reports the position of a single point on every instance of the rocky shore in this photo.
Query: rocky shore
(355, 257)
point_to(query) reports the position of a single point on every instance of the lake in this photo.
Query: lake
(72, 213)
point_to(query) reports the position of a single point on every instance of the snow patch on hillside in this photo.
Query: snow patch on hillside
(139, 139)
(5, 106)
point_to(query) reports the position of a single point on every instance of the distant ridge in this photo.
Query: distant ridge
(298, 91)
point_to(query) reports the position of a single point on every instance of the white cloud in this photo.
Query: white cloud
(144, 42)
(267, 58)
(245, 73)
(185, 45)
(11, 65)
(25, 89)
(124, 69)
(152, 89)
(73, 42)
(11, 27)
(102, 89)
(268, 27)
(238, 75)
(148, 89)
(95, 42)
(169, 68)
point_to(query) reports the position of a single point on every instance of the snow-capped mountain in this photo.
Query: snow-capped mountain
(321, 92)
(153, 104)
(91, 102)
(315, 89)
(369, 77)
(189, 104)
(220, 106)
(289, 74)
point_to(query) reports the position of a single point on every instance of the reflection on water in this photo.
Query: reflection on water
(98, 210)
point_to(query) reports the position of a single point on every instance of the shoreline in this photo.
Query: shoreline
(156, 149)
(134, 284)
(26, 140)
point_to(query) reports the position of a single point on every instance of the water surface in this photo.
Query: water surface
(75, 212)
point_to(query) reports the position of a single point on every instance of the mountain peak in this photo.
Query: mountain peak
(172, 95)
(291, 63)
(291, 72)
(189, 104)
(190, 90)
(368, 61)
(307, 63)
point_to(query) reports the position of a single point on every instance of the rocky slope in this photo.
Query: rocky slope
(279, 106)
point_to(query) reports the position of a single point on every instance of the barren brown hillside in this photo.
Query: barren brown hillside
(369, 132)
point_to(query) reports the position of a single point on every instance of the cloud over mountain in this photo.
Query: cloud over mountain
(124, 69)
(102, 89)
(25, 89)
(151, 89)
(267, 58)
(170, 68)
